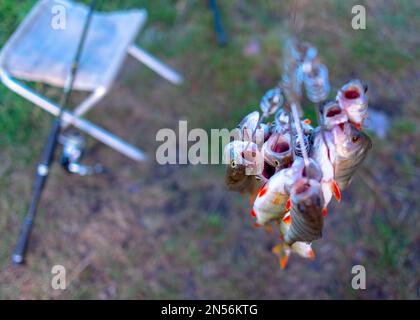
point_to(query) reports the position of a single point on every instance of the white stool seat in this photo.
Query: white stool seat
(39, 52)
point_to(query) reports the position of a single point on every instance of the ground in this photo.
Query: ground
(150, 231)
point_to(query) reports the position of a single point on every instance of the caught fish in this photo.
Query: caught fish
(248, 130)
(283, 250)
(316, 83)
(306, 213)
(353, 99)
(272, 202)
(324, 153)
(248, 125)
(301, 167)
(332, 114)
(281, 121)
(243, 166)
(277, 151)
(352, 146)
(271, 101)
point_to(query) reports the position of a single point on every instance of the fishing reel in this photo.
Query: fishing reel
(73, 149)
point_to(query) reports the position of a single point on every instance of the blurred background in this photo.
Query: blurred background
(149, 231)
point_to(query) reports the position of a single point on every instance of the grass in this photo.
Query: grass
(148, 231)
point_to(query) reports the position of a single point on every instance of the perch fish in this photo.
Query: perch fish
(353, 99)
(307, 219)
(243, 166)
(351, 148)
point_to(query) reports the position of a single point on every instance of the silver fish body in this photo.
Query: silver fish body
(354, 100)
(248, 125)
(333, 114)
(281, 121)
(323, 152)
(352, 146)
(306, 213)
(277, 150)
(243, 164)
(271, 101)
(316, 83)
(271, 200)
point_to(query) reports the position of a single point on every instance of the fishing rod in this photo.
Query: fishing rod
(218, 25)
(49, 149)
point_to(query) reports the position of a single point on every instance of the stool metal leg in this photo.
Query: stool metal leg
(156, 65)
(84, 125)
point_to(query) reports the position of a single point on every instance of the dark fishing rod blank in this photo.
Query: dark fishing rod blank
(218, 25)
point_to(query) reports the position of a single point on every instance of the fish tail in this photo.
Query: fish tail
(303, 249)
(283, 251)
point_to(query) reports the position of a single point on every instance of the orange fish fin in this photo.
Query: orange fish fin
(262, 192)
(336, 190)
(277, 248)
(253, 213)
(288, 204)
(256, 225)
(283, 261)
(311, 254)
(287, 219)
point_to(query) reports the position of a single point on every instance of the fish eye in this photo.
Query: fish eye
(277, 163)
(233, 163)
(354, 139)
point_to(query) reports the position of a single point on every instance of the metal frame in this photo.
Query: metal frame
(74, 118)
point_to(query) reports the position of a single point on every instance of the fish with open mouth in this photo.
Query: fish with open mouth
(248, 127)
(244, 164)
(306, 212)
(271, 101)
(277, 151)
(272, 202)
(353, 98)
(351, 148)
(303, 167)
(332, 115)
